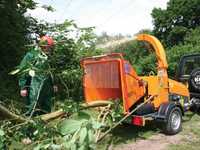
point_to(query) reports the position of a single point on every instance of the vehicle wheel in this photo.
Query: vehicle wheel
(196, 106)
(174, 122)
(194, 80)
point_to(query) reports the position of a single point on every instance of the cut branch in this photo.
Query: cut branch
(6, 114)
(53, 115)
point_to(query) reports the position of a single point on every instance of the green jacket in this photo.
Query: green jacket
(36, 77)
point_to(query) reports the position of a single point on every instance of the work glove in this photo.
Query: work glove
(24, 93)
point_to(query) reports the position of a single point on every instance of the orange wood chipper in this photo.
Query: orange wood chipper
(156, 98)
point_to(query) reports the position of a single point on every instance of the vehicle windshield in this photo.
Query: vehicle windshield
(190, 64)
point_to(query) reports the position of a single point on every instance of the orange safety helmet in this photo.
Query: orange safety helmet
(46, 41)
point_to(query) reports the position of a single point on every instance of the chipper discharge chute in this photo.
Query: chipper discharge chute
(157, 98)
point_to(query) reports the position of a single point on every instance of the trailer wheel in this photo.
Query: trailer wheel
(173, 125)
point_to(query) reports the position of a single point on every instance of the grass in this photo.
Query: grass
(126, 134)
(191, 133)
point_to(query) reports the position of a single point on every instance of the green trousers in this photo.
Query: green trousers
(40, 95)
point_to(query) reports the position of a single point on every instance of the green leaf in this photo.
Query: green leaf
(90, 136)
(69, 126)
(2, 133)
(82, 147)
(55, 146)
(97, 125)
(46, 146)
(48, 8)
(16, 146)
(83, 135)
(73, 147)
(83, 115)
(38, 147)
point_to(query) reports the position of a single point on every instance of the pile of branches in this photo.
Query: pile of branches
(76, 126)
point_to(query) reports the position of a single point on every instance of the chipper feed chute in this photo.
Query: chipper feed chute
(110, 77)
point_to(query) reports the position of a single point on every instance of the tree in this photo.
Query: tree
(13, 30)
(191, 45)
(145, 31)
(172, 24)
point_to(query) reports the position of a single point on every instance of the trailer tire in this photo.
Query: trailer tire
(173, 124)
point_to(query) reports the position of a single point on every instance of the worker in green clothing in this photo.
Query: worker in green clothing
(36, 80)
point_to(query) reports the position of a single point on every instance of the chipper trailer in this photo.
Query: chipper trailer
(154, 98)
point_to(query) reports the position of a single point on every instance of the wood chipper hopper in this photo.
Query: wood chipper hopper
(157, 98)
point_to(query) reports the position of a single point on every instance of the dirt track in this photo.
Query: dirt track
(156, 142)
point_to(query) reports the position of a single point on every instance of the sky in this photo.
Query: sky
(111, 16)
